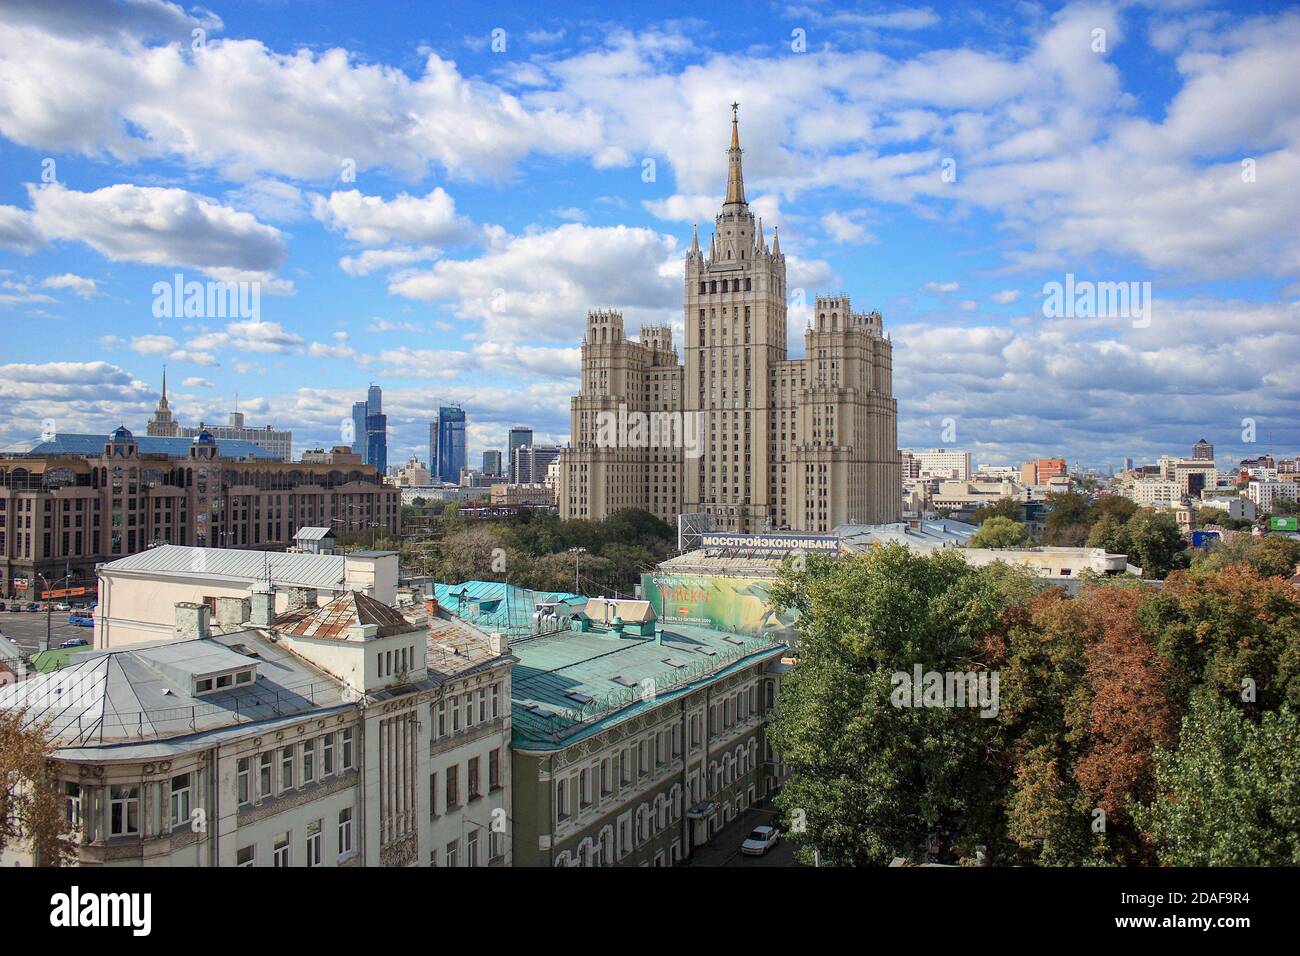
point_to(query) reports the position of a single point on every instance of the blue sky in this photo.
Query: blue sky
(428, 210)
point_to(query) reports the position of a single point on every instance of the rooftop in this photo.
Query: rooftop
(313, 534)
(144, 693)
(497, 605)
(335, 620)
(304, 570)
(74, 444)
(572, 684)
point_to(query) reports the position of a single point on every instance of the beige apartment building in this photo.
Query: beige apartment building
(738, 430)
(351, 734)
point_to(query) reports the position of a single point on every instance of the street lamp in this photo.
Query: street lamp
(575, 552)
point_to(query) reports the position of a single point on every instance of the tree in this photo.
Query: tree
(1000, 532)
(1270, 555)
(871, 780)
(31, 807)
(1066, 523)
(1230, 794)
(1150, 538)
(1004, 507)
(468, 555)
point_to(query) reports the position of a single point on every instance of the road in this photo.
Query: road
(724, 848)
(27, 629)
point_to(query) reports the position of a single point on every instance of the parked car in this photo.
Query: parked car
(62, 607)
(33, 606)
(2, 606)
(760, 841)
(81, 620)
(74, 642)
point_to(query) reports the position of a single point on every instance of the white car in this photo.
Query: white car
(760, 841)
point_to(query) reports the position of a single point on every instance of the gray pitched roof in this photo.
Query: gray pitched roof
(306, 570)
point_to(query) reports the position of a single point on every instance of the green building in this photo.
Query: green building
(632, 745)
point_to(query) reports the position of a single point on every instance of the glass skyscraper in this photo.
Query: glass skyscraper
(370, 429)
(451, 442)
(520, 436)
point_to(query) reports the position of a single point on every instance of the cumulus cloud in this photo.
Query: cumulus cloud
(78, 285)
(541, 284)
(374, 221)
(159, 226)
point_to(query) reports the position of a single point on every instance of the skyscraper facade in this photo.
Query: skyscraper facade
(800, 444)
(451, 442)
(374, 433)
(492, 461)
(1201, 451)
(359, 441)
(520, 435)
(532, 461)
(433, 450)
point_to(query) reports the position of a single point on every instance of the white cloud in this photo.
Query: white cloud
(195, 381)
(157, 226)
(374, 221)
(78, 285)
(843, 229)
(1006, 296)
(153, 344)
(540, 285)
(373, 260)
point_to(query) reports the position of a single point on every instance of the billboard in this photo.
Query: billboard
(734, 604)
(1284, 524)
(1204, 539)
(771, 543)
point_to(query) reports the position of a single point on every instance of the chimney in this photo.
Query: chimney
(191, 620)
(232, 611)
(362, 632)
(301, 597)
(499, 643)
(262, 607)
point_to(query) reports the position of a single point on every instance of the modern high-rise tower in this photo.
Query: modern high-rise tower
(451, 442)
(800, 444)
(520, 436)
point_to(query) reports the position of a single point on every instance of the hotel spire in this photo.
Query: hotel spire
(735, 178)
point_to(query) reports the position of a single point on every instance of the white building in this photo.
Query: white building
(1265, 493)
(322, 737)
(137, 593)
(279, 442)
(1242, 508)
(1154, 492)
(942, 463)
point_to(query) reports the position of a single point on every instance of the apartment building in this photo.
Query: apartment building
(1265, 493)
(634, 744)
(739, 430)
(943, 463)
(299, 740)
(77, 500)
(137, 593)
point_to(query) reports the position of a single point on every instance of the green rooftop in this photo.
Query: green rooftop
(572, 684)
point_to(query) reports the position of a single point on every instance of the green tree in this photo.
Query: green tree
(31, 807)
(871, 780)
(468, 555)
(1229, 795)
(1066, 523)
(1004, 507)
(1270, 555)
(1000, 532)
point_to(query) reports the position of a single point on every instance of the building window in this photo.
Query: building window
(453, 787)
(345, 831)
(471, 848)
(442, 718)
(243, 782)
(452, 854)
(482, 704)
(246, 856)
(308, 761)
(72, 794)
(264, 775)
(347, 749)
(123, 811)
(282, 851)
(496, 845)
(496, 701)
(327, 755)
(180, 800)
(472, 783)
(286, 769)
(494, 769)
(313, 843)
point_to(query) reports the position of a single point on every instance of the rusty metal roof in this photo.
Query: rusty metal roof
(332, 621)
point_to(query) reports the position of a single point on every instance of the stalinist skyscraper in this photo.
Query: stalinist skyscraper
(787, 444)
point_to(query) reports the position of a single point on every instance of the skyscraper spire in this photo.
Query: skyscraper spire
(776, 240)
(695, 240)
(164, 394)
(735, 178)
